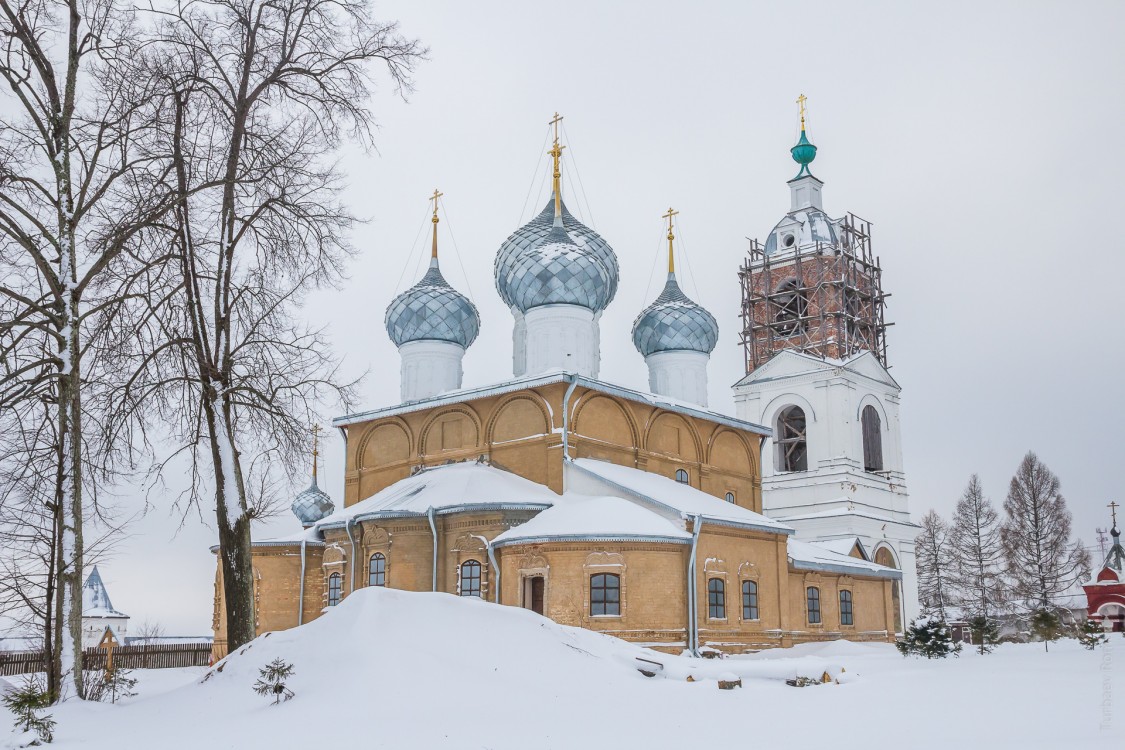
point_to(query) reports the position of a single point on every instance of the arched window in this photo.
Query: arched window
(470, 578)
(792, 446)
(682, 476)
(846, 608)
(377, 575)
(605, 594)
(872, 439)
(730, 497)
(716, 599)
(335, 589)
(749, 600)
(791, 305)
(813, 597)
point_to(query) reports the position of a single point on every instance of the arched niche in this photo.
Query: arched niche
(673, 435)
(453, 429)
(516, 418)
(729, 452)
(602, 418)
(385, 444)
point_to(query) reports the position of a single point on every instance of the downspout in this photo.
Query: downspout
(351, 561)
(433, 530)
(301, 594)
(573, 378)
(693, 627)
(495, 568)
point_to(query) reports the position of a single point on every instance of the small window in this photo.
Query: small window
(792, 444)
(470, 578)
(791, 306)
(716, 599)
(335, 589)
(682, 476)
(749, 600)
(377, 570)
(789, 240)
(730, 497)
(813, 594)
(605, 594)
(872, 439)
(846, 608)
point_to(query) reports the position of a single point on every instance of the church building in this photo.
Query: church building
(641, 514)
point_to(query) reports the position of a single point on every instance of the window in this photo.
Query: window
(470, 578)
(749, 600)
(377, 575)
(605, 594)
(846, 608)
(872, 439)
(716, 599)
(789, 240)
(791, 306)
(730, 497)
(814, 604)
(792, 445)
(335, 589)
(682, 476)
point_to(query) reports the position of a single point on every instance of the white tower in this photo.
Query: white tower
(432, 324)
(676, 337)
(816, 372)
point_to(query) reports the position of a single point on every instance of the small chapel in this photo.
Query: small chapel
(642, 514)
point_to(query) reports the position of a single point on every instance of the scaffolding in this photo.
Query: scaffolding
(824, 299)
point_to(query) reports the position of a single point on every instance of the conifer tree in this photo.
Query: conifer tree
(931, 548)
(978, 559)
(272, 679)
(928, 637)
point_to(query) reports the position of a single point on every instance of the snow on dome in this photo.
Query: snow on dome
(531, 234)
(594, 518)
(95, 598)
(558, 271)
(432, 310)
(802, 229)
(674, 323)
(312, 504)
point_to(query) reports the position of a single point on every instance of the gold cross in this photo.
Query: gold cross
(437, 194)
(316, 432)
(555, 121)
(801, 102)
(556, 149)
(1113, 506)
(669, 216)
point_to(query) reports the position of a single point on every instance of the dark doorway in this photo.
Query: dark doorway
(533, 594)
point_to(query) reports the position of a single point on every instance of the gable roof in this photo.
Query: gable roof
(818, 556)
(792, 363)
(594, 518)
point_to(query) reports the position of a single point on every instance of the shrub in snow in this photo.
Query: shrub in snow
(928, 637)
(26, 702)
(1091, 634)
(984, 632)
(108, 685)
(1046, 626)
(271, 680)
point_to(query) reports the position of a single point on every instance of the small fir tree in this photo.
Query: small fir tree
(984, 632)
(929, 637)
(1046, 625)
(26, 702)
(272, 678)
(1091, 634)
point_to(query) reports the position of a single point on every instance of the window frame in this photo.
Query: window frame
(335, 589)
(791, 304)
(601, 584)
(716, 598)
(683, 476)
(871, 430)
(812, 597)
(750, 610)
(847, 608)
(791, 445)
(730, 498)
(473, 566)
(381, 572)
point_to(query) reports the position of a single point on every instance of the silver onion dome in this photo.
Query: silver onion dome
(312, 504)
(507, 266)
(558, 271)
(432, 310)
(674, 323)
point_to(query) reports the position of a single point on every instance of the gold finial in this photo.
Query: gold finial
(1113, 506)
(556, 153)
(434, 198)
(671, 255)
(801, 103)
(316, 432)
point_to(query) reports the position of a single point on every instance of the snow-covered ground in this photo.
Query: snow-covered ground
(390, 669)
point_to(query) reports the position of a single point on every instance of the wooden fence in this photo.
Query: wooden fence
(159, 656)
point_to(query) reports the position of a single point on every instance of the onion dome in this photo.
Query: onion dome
(803, 228)
(312, 504)
(674, 322)
(558, 271)
(432, 310)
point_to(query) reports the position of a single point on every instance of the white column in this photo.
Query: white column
(681, 375)
(430, 368)
(519, 343)
(561, 337)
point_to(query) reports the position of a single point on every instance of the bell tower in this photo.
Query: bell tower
(814, 338)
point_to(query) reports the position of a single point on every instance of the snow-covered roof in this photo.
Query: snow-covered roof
(95, 599)
(448, 488)
(843, 546)
(592, 518)
(820, 556)
(547, 378)
(671, 496)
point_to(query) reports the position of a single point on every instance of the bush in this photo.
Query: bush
(108, 685)
(984, 632)
(1046, 626)
(928, 637)
(26, 702)
(1091, 634)
(271, 680)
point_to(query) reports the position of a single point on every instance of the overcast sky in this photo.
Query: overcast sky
(981, 139)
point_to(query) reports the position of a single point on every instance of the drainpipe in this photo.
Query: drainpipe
(433, 530)
(495, 568)
(693, 629)
(351, 541)
(573, 378)
(301, 594)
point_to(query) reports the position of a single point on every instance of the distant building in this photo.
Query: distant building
(1105, 594)
(98, 612)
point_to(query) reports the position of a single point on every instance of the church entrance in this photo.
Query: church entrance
(533, 588)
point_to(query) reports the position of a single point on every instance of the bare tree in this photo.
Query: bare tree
(149, 633)
(1042, 562)
(977, 553)
(262, 94)
(931, 549)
